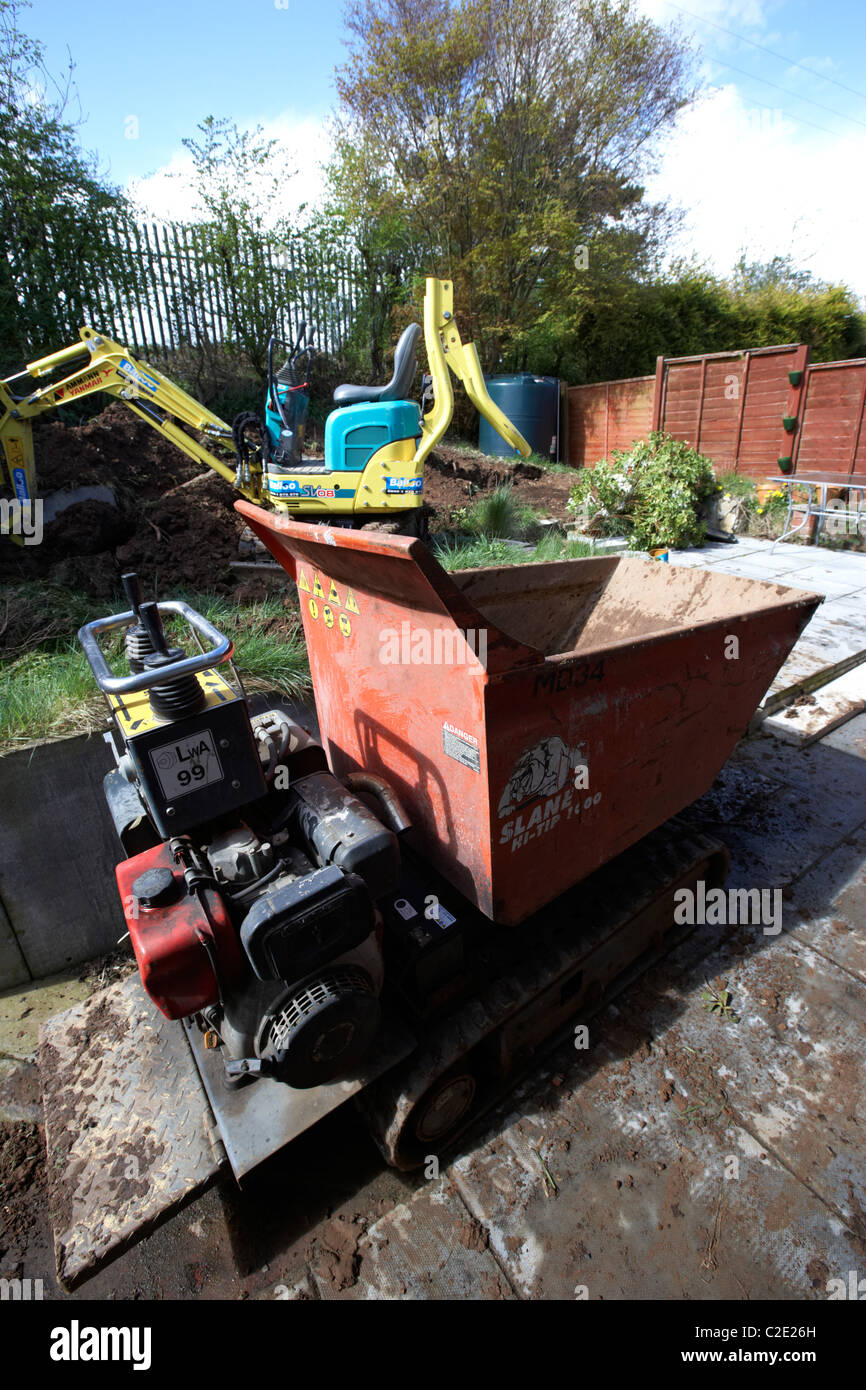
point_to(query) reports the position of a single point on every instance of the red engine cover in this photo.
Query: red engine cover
(174, 965)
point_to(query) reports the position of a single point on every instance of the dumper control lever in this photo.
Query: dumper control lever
(137, 641)
(177, 695)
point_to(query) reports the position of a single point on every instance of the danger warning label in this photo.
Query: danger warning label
(461, 746)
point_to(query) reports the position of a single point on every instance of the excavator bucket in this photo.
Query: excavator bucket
(536, 720)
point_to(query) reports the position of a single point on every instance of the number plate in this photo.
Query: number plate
(187, 764)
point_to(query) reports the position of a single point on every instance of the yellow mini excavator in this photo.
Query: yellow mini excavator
(376, 439)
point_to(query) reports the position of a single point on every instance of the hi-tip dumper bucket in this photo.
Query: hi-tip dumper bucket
(536, 720)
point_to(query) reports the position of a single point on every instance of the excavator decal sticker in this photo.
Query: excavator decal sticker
(127, 369)
(404, 484)
(87, 383)
(290, 487)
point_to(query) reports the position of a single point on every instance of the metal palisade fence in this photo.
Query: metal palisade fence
(170, 284)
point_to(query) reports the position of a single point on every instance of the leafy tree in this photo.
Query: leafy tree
(361, 212)
(688, 310)
(60, 264)
(509, 138)
(237, 182)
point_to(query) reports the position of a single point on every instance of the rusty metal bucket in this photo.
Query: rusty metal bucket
(536, 720)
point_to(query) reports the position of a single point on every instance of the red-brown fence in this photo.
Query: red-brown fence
(832, 434)
(750, 411)
(608, 415)
(731, 405)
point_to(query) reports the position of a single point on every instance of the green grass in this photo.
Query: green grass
(554, 546)
(47, 689)
(498, 514)
(44, 694)
(485, 551)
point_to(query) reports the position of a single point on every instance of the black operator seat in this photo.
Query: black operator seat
(397, 389)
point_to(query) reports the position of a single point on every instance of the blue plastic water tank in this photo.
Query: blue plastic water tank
(532, 404)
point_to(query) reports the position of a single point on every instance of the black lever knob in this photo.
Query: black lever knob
(149, 614)
(132, 589)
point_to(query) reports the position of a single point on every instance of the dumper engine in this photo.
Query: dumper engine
(253, 874)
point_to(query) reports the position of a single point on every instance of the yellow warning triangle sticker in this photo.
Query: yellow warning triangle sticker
(303, 581)
(350, 602)
(317, 587)
(333, 594)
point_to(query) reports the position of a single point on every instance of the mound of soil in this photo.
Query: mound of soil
(117, 448)
(171, 521)
(453, 478)
(175, 523)
(188, 538)
(24, 1189)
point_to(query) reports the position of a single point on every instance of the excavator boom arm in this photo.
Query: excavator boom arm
(446, 350)
(110, 367)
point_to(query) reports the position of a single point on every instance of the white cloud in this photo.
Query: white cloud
(735, 15)
(303, 145)
(752, 180)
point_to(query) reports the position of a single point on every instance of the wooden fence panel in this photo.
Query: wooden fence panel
(832, 436)
(730, 405)
(607, 415)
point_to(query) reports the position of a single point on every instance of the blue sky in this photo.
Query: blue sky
(172, 64)
(756, 169)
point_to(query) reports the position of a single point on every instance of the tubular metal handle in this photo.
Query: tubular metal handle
(222, 649)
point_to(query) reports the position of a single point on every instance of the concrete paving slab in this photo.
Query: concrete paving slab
(427, 1248)
(774, 830)
(781, 565)
(785, 548)
(748, 569)
(820, 711)
(829, 579)
(827, 909)
(812, 770)
(829, 645)
(790, 1067)
(23, 1010)
(643, 1207)
(837, 587)
(848, 612)
(850, 738)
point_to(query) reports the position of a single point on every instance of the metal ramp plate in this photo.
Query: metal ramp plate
(128, 1129)
(258, 1120)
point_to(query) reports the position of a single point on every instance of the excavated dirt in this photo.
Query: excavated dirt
(23, 1190)
(454, 478)
(175, 523)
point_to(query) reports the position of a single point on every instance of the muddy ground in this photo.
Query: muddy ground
(175, 523)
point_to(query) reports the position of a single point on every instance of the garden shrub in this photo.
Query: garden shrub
(652, 493)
